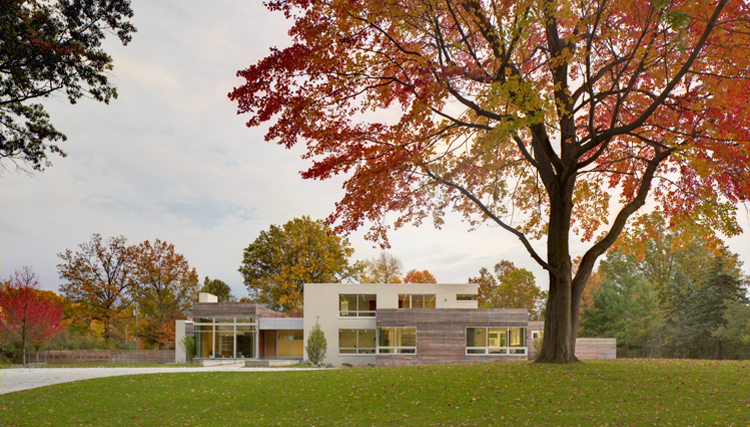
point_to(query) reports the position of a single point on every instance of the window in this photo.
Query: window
(356, 341)
(416, 301)
(466, 297)
(397, 340)
(495, 340)
(357, 305)
(225, 337)
(535, 335)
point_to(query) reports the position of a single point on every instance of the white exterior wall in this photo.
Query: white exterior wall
(179, 334)
(321, 301)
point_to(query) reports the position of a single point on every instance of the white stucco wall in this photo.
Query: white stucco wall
(179, 334)
(321, 301)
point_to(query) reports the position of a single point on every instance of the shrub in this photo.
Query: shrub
(316, 344)
(188, 344)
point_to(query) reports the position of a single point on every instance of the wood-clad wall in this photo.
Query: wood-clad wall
(596, 348)
(224, 309)
(441, 333)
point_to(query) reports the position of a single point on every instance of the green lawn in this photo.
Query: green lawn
(595, 393)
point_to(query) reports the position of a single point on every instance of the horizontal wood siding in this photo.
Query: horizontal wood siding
(237, 309)
(441, 333)
(596, 348)
(587, 348)
(224, 309)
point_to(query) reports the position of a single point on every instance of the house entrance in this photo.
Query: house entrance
(286, 343)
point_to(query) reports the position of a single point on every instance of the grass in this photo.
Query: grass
(595, 393)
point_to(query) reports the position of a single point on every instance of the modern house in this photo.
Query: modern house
(369, 324)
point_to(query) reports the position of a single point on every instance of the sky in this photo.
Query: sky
(170, 159)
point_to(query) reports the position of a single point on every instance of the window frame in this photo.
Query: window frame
(425, 297)
(396, 349)
(356, 312)
(502, 350)
(218, 329)
(358, 351)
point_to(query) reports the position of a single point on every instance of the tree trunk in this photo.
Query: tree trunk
(558, 345)
(719, 351)
(560, 324)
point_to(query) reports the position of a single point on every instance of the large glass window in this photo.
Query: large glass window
(357, 305)
(416, 301)
(356, 341)
(204, 340)
(397, 340)
(495, 340)
(225, 337)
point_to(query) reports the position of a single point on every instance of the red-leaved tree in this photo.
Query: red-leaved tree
(27, 316)
(549, 118)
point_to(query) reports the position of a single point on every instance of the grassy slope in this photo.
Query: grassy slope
(614, 393)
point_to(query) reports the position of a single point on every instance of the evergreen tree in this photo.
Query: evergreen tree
(316, 344)
(735, 333)
(717, 292)
(642, 321)
(684, 335)
(607, 309)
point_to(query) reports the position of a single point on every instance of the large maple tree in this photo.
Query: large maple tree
(548, 118)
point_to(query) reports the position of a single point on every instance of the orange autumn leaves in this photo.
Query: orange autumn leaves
(106, 277)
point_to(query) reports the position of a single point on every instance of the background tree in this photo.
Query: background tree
(734, 333)
(384, 268)
(626, 308)
(282, 259)
(416, 276)
(98, 279)
(530, 115)
(219, 288)
(509, 287)
(655, 252)
(164, 286)
(718, 291)
(52, 47)
(27, 316)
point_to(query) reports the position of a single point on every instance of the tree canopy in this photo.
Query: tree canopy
(540, 116)
(669, 295)
(384, 268)
(27, 316)
(164, 287)
(49, 47)
(219, 288)
(282, 259)
(98, 279)
(416, 276)
(509, 287)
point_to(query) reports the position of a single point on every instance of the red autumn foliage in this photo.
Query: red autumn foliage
(28, 316)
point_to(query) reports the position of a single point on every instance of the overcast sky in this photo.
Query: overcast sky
(170, 159)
